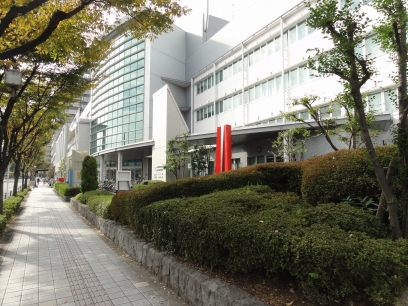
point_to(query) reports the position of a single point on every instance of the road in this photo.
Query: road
(10, 186)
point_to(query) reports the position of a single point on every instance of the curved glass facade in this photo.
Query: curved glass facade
(117, 102)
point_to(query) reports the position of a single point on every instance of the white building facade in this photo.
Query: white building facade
(243, 73)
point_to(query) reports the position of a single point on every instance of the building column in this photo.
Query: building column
(102, 168)
(120, 161)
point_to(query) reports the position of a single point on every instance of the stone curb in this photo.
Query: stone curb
(193, 286)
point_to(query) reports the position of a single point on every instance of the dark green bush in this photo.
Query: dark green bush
(331, 264)
(3, 223)
(254, 229)
(89, 174)
(347, 218)
(10, 205)
(335, 176)
(278, 176)
(119, 209)
(83, 197)
(72, 191)
(146, 184)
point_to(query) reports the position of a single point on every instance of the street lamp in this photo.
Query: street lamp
(13, 78)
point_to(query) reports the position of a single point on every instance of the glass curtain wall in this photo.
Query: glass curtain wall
(117, 102)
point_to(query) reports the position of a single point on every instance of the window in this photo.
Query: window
(251, 59)
(246, 96)
(270, 86)
(374, 101)
(251, 94)
(285, 39)
(278, 83)
(258, 91)
(260, 159)
(301, 27)
(323, 112)
(270, 48)
(264, 89)
(293, 77)
(302, 74)
(263, 51)
(390, 97)
(286, 80)
(235, 100)
(257, 55)
(235, 69)
(371, 47)
(304, 115)
(251, 160)
(277, 43)
(292, 35)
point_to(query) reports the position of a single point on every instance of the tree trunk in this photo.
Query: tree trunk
(2, 174)
(383, 203)
(16, 175)
(392, 202)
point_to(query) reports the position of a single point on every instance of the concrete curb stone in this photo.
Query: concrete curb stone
(193, 286)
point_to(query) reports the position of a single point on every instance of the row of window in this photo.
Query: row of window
(116, 140)
(118, 49)
(118, 130)
(102, 92)
(294, 34)
(206, 84)
(205, 112)
(113, 123)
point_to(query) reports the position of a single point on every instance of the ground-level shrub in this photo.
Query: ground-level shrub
(23, 193)
(254, 229)
(279, 176)
(100, 205)
(83, 197)
(72, 191)
(147, 184)
(3, 223)
(61, 187)
(335, 176)
(346, 217)
(119, 208)
(10, 205)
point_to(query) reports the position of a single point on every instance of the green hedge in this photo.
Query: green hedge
(65, 190)
(83, 197)
(10, 206)
(146, 184)
(279, 176)
(335, 176)
(253, 229)
(100, 205)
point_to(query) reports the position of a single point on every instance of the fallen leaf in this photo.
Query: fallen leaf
(290, 303)
(291, 290)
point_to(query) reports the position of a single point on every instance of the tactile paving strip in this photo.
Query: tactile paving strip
(85, 286)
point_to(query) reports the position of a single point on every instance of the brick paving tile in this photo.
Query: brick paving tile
(50, 256)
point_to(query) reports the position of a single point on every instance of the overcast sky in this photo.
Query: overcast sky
(225, 9)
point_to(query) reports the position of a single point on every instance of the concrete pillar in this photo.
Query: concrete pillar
(102, 167)
(120, 161)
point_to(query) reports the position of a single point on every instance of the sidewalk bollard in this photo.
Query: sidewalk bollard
(10, 193)
(5, 195)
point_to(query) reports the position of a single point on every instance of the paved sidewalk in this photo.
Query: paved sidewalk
(51, 257)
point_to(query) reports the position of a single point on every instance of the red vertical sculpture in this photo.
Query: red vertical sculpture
(223, 149)
(227, 148)
(218, 151)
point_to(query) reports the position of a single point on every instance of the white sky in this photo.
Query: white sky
(225, 9)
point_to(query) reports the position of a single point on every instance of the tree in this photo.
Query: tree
(89, 174)
(49, 87)
(177, 155)
(200, 159)
(391, 29)
(291, 142)
(346, 132)
(62, 169)
(51, 27)
(347, 29)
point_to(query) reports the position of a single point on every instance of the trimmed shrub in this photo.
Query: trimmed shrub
(72, 191)
(23, 193)
(332, 264)
(3, 223)
(61, 187)
(83, 197)
(253, 229)
(89, 174)
(347, 218)
(146, 184)
(10, 205)
(119, 209)
(278, 176)
(335, 176)
(100, 205)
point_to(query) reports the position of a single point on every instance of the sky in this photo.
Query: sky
(225, 9)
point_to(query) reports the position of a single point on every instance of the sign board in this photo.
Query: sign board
(123, 180)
